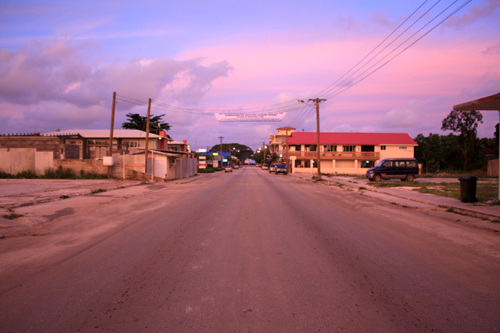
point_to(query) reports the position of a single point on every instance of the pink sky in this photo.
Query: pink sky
(59, 69)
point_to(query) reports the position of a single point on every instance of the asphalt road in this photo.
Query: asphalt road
(246, 251)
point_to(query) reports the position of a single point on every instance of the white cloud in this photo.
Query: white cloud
(57, 72)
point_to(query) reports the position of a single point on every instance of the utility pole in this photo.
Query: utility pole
(317, 101)
(264, 152)
(147, 141)
(110, 149)
(220, 137)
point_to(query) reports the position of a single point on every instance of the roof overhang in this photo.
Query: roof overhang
(490, 103)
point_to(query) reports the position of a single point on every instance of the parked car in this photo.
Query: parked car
(236, 166)
(394, 168)
(281, 168)
(272, 168)
(264, 167)
(228, 168)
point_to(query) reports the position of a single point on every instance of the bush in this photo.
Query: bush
(60, 173)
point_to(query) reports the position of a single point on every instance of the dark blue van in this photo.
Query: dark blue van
(394, 168)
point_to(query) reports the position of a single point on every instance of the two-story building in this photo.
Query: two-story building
(345, 153)
(277, 142)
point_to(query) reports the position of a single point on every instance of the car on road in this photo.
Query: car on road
(264, 167)
(228, 168)
(236, 166)
(281, 168)
(272, 168)
(394, 168)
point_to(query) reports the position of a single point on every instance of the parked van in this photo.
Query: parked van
(394, 168)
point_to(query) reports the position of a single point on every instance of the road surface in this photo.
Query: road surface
(246, 251)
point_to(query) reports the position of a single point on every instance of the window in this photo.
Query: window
(297, 147)
(330, 148)
(387, 164)
(382, 147)
(411, 164)
(400, 164)
(368, 164)
(367, 148)
(349, 148)
(402, 147)
(311, 148)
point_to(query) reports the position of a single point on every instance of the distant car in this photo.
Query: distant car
(272, 167)
(264, 167)
(281, 168)
(236, 166)
(228, 168)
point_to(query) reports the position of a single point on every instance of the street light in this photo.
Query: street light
(317, 101)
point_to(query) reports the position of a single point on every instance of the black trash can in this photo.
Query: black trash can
(468, 189)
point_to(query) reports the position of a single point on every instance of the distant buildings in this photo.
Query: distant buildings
(341, 153)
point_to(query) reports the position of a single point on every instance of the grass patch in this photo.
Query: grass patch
(457, 174)
(484, 191)
(12, 216)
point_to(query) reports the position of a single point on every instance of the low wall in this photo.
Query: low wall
(16, 160)
(40, 143)
(88, 166)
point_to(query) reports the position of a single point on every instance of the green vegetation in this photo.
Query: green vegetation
(59, 173)
(461, 150)
(484, 191)
(209, 170)
(136, 121)
(12, 216)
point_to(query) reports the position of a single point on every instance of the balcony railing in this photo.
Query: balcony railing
(332, 155)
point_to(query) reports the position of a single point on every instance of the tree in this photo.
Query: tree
(438, 152)
(136, 121)
(465, 123)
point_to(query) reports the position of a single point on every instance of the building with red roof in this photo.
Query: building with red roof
(350, 153)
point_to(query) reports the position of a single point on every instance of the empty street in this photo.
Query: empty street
(246, 251)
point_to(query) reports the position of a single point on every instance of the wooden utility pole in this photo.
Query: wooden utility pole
(147, 141)
(264, 152)
(110, 149)
(221, 137)
(317, 101)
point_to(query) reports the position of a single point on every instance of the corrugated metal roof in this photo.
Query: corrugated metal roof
(104, 133)
(332, 138)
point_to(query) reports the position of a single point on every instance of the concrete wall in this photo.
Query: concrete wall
(16, 160)
(88, 166)
(493, 168)
(40, 143)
